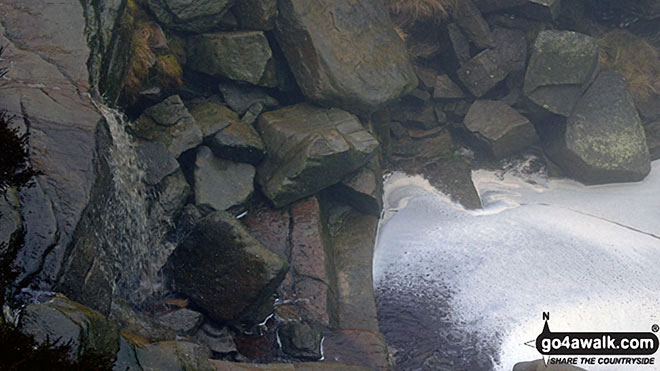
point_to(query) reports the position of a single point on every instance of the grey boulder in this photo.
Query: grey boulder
(226, 271)
(238, 142)
(241, 56)
(498, 128)
(561, 65)
(300, 340)
(603, 141)
(309, 149)
(344, 53)
(219, 183)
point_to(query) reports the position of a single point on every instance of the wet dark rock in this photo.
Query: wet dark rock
(409, 149)
(174, 356)
(426, 77)
(421, 116)
(213, 117)
(138, 324)
(238, 142)
(240, 56)
(363, 190)
(63, 124)
(300, 340)
(487, 6)
(63, 320)
(459, 45)
(225, 271)
(357, 347)
(241, 97)
(10, 216)
(603, 140)
(419, 96)
(252, 114)
(344, 53)
(184, 321)
(219, 340)
(316, 301)
(498, 128)
(221, 184)
(468, 17)
(271, 228)
(190, 15)
(445, 88)
(453, 177)
(488, 68)
(308, 253)
(126, 357)
(561, 65)
(542, 10)
(256, 14)
(653, 139)
(158, 162)
(309, 149)
(169, 112)
(180, 137)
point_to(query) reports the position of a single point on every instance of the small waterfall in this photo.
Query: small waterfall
(131, 233)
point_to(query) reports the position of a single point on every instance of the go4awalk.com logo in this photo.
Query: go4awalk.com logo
(596, 348)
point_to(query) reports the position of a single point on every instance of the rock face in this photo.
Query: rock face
(219, 183)
(225, 271)
(653, 139)
(66, 321)
(45, 87)
(603, 141)
(256, 14)
(309, 149)
(363, 190)
(499, 128)
(241, 56)
(562, 63)
(173, 356)
(213, 117)
(344, 53)
(190, 15)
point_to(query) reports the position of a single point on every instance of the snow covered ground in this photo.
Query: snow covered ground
(588, 255)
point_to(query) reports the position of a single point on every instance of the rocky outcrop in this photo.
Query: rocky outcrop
(64, 321)
(603, 140)
(238, 142)
(46, 89)
(219, 183)
(225, 271)
(309, 149)
(212, 117)
(344, 53)
(561, 65)
(190, 15)
(363, 190)
(498, 128)
(173, 356)
(301, 341)
(241, 56)
(256, 14)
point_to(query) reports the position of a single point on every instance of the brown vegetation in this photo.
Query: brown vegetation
(633, 57)
(409, 12)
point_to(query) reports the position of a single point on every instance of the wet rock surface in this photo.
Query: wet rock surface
(219, 183)
(562, 63)
(603, 141)
(344, 53)
(499, 128)
(225, 271)
(190, 15)
(309, 149)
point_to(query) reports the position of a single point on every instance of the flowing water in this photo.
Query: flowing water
(465, 290)
(131, 238)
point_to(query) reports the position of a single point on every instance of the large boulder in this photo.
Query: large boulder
(344, 53)
(498, 128)
(561, 65)
(240, 55)
(468, 17)
(190, 15)
(64, 321)
(226, 271)
(309, 149)
(238, 142)
(363, 190)
(603, 140)
(256, 14)
(300, 340)
(46, 86)
(220, 183)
